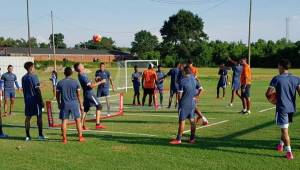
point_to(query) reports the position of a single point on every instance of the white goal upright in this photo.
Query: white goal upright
(128, 68)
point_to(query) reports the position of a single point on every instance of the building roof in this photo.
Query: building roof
(13, 50)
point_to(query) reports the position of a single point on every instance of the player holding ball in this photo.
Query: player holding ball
(282, 92)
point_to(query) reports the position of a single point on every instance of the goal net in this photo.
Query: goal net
(116, 109)
(122, 79)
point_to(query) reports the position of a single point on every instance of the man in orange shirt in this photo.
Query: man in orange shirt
(245, 87)
(148, 83)
(194, 70)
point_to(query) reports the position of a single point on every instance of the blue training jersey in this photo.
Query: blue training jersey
(30, 83)
(85, 83)
(160, 79)
(286, 86)
(174, 76)
(237, 71)
(136, 78)
(68, 88)
(103, 75)
(10, 80)
(187, 87)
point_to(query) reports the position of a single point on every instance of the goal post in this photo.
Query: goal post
(131, 63)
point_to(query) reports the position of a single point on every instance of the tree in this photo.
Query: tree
(59, 40)
(144, 42)
(184, 30)
(43, 45)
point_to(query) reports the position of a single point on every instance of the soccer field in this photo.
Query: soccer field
(140, 138)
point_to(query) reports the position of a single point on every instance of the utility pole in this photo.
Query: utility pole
(53, 42)
(28, 30)
(287, 29)
(249, 34)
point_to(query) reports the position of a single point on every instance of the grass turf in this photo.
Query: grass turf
(244, 142)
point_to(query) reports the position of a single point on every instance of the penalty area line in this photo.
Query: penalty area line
(213, 124)
(267, 109)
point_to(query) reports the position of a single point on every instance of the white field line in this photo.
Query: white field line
(151, 115)
(267, 109)
(187, 131)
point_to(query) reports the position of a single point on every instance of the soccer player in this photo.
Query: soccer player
(149, 79)
(89, 98)
(285, 85)
(174, 83)
(160, 84)
(245, 86)
(54, 80)
(10, 79)
(187, 104)
(222, 80)
(33, 100)
(69, 103)
(237, 69)
(103, 88)
(194, 70)
(136, 81)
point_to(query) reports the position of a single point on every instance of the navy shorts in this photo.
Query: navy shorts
(236, 86)
(148, 91)
(174, 90)
(67, 111)
(9, 94)
(283, 119)
(102, 92)
(90, 101)
(187, 112)
(33, 109)
(136, 89)
(245, 90)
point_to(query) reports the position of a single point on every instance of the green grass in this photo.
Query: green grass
(244, 142)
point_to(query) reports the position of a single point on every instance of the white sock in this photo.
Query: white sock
(204, 119)
(288, 148)
(244, 110)
(281, 142)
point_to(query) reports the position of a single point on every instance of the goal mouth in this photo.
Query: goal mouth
(116, 109)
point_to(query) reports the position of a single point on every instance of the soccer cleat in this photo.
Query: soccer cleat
(193, 141)
(280, 148)
(85, 128)
(100, 127)
(27, 139)
(81, 139)
(289, 156)
(3, 135)
(175, 142)
(64, 141)
(42, 138)
(242, 111)
(248, 112)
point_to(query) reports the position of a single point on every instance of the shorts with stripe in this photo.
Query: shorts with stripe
(90, 101)
(283, 119)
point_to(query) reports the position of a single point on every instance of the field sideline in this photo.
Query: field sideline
(139, 140)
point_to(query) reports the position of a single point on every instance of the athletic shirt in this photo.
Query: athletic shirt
(149, 78)
(188, 86)
(53, 78)
(160, 79)
(223, 74)
(30, 83)
(194, 70)
(10, 79)
(85, 84)
(237, 70)
(104, 75)
(174, 75)
(68, 90)
(286, 86)
(246, 75)
(135, 77)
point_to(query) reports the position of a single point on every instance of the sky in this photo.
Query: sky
(78, 20)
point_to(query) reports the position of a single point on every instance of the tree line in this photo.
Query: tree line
(182, 38)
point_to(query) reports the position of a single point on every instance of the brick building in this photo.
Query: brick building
(76, 55)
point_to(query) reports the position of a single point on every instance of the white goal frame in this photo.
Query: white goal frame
(134, 61)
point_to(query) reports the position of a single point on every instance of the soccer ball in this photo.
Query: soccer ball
(97, 38)
(272, 98)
